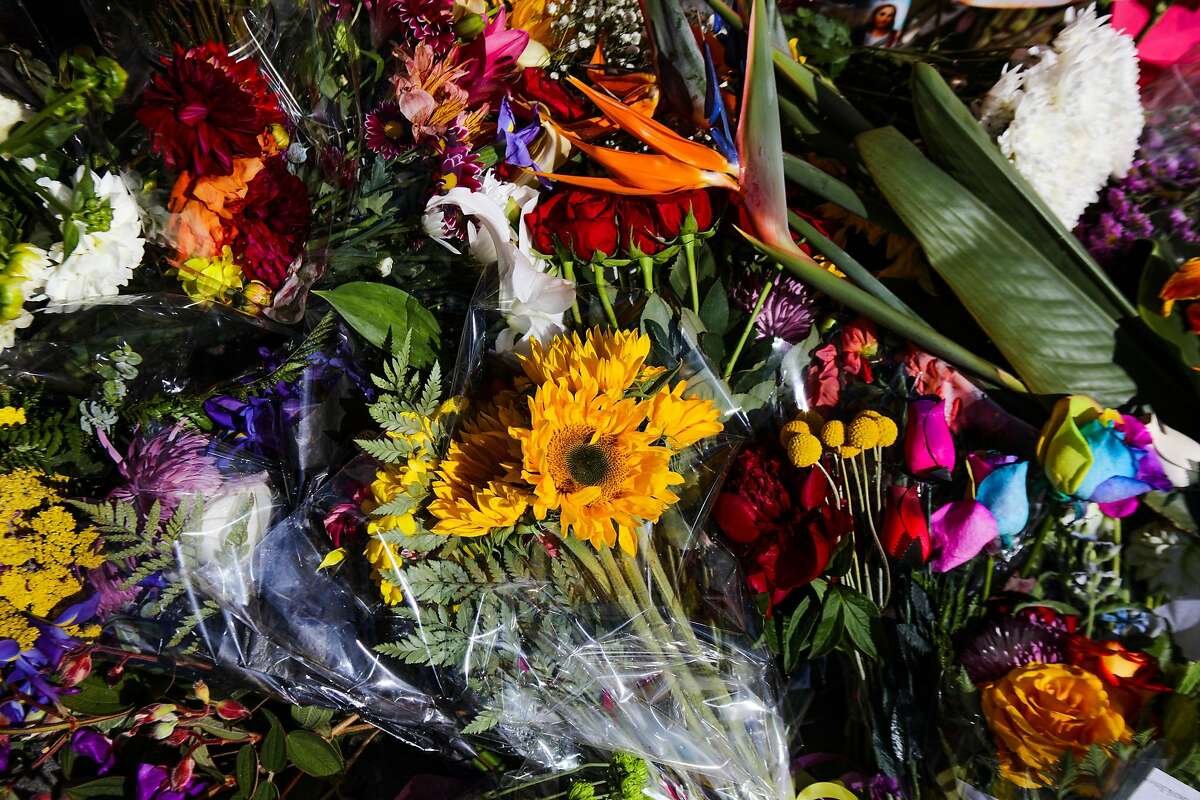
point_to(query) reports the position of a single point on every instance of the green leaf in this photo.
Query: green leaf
(95, 697)
(714, 311)
(265, 791)
(917, 331)
(312, 717)
(375, 309)
(313, 755)
(829, 630)
(822, 184)
(1189, 682)
(274, 746)
(860, 615)
(1058, 339)
(247, 769)
(1182, 722)
(959, 143)
(108, 786)
(681, 70)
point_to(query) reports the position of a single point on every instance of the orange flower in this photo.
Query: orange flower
(1182, 285)
(200, 220)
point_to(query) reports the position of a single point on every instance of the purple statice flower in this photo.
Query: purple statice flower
(154, 783)
(1003, 645)
(166, 467)
(96, 746)
(787, 313)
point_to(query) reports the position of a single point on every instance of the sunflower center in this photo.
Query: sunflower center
(588, 464)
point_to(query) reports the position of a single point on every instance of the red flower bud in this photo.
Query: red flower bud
(905, 525)
(181, 776)
(231, 710)
(75, 668)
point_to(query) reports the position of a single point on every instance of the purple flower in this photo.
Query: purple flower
(877, 787)
(154, 783)
(166, 467)
(108, 584)
(787, 313)
(516, 140)
(388, 131)
(1005, 644)
(96, 746)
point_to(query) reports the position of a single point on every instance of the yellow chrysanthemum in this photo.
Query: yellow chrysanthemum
(11, 416)
(613, 359)
(478, 484)
(681, 421)
(804, 450)
(833, 435)
(586, 455)
(214, 278)
(863, 432)
(385, 559)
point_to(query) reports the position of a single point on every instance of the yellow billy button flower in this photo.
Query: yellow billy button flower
(796, 427)
(804, 450)
(849, 451)
(863, 432)
(833, 435)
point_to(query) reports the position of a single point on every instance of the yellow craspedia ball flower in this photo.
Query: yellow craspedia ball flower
(1039, 712)
(863, 432)
(833, 434)
(849, 451)
(793, 428)
(804, 450)
(814, 419)
(888, 432)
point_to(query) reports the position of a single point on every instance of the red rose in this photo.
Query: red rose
(639, 226)
(581, 221)
(796, 555)
(904, 524)
(673, 209)
(1130, 676)
(533, 86)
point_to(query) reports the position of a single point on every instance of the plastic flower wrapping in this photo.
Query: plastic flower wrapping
(565, 399)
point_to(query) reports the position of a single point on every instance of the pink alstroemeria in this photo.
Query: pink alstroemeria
(1174, 38)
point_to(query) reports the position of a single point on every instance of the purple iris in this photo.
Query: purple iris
(96, 746)
(516, 140)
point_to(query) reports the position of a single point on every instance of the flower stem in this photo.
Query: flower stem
(689, 252)
(602, 290)
(647, 272)
(758, 305)
(569, 274)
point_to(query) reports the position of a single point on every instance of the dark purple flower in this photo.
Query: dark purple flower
(108, 584)
(96, 746)
(877, 787)
(388, 131)
(1002, 645)
(787, 313)
(154, 783)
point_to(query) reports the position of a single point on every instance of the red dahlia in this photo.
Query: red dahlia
(272, 224)
(207, 109)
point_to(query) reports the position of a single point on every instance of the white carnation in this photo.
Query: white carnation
(11, 112)
(107, 254)
(1072, 119)
(25, 272)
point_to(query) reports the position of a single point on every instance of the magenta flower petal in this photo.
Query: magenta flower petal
(960, 530)
(928, 444)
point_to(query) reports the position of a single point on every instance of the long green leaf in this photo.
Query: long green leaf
(959, 144)
(822, 184)
(915, 330)
(847, 264)
(1057, 338)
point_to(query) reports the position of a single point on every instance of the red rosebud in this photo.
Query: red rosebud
(181, 776)
(75, 668)
(673, 210)
(905, 525)
(231, 710)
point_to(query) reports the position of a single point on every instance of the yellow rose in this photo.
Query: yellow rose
(1040, 711)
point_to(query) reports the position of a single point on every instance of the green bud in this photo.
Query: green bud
(581, 791)
(469, 26)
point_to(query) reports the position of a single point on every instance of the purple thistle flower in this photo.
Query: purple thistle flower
(166, 467)
(787, 313)
(1006, 644)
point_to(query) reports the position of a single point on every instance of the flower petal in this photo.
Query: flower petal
(961, 530)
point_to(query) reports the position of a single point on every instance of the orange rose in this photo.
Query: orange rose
(200, 225)
(1040, 711)
(1130, 676)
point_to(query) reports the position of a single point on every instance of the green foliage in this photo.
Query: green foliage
(49, 438)
(380, 313)
(313, 755)
(115, 368)
(822, 40)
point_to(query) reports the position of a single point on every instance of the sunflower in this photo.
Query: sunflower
(587, 454)
(681, 421)
(615, 360)
(477, 486)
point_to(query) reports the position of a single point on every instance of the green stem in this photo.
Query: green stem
(689, 252)
(647, 272)
(32, 127)
(602, 290)
(1033, 565)
(569, 274)
(987, 579)
(758, 306)
(551, 777)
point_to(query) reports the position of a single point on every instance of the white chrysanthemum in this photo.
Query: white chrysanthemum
(1071, 120)
(22, 272)
(110, 242)
(11, 112)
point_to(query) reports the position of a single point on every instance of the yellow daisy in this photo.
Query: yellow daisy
(477, 485)
(587, 455)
